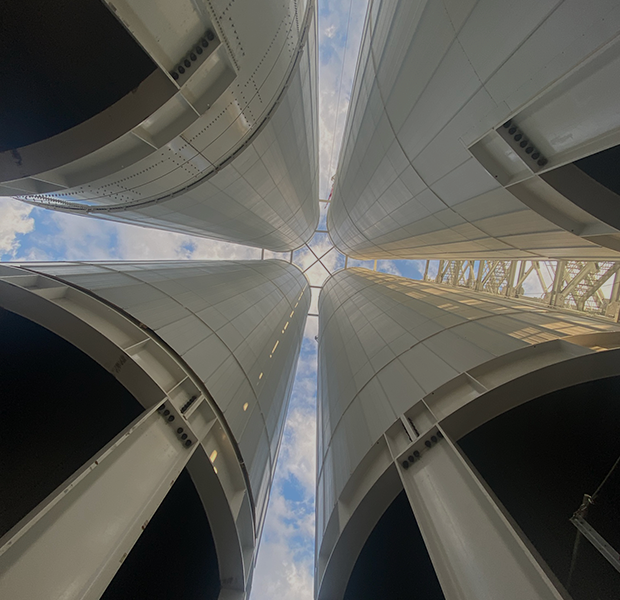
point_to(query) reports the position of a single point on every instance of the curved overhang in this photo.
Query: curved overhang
(475, 159)
(454, 409)
(145, 158)
(166, 387)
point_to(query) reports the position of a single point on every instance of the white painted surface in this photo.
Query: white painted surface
(170, 332)
(223, 319)
(423, 172)
(232, 153)
(476, 553)
(395, 354)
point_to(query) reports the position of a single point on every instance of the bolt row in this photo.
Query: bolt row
(169, 417)
(524, 143)
(183, 437)
(188, 404)
(415, 455)
(193, 55)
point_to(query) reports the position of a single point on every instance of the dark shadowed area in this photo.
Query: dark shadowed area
(394, 562)
(604, 167)
(540, 459)
(58, 408)
(62, 63)
(175, 556)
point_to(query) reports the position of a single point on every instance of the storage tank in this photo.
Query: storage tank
(195, 117)
(141, 423)
(419, 385)
(482, 129)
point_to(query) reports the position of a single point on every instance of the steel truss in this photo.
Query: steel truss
(589, 286)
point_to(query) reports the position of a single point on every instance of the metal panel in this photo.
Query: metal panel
(252, 89)
(425, 136)
(399, 357)
(209, 339)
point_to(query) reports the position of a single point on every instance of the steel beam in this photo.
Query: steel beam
(579, 285)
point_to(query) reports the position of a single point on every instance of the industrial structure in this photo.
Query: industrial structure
(462, 419)
(482, 130)
(121, 379)
(408, 372)
(589, 286)
(195, 117)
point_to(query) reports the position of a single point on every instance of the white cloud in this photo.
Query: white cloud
(213, 250)
(312, 328)
(335, 81)
(280, 572)
(433, 267)
(72, 237)
(285, 562)
(15, 220)
(389, 267)
(330, 31)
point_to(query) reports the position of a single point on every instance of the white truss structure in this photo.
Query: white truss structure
(589, 286)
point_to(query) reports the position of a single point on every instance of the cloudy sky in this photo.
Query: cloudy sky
(285, 562)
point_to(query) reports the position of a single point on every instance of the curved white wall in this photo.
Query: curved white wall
(223, 319)
(227, 334)
(231, 154)
(398, 356)
(427, 169)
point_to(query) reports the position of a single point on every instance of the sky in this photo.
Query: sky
(286, 557)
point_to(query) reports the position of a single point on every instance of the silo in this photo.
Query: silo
(142, 419)
(421, 385)
(195, 117)
(482, 129)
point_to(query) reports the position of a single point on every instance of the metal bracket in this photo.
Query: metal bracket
(597, 540)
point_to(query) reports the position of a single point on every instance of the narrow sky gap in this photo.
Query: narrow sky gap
(286, 558)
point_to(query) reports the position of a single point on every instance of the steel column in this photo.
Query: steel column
(78, 540)
(476, 553)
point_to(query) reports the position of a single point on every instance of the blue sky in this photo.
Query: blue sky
(285, 561)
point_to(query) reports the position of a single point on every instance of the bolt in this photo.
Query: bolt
(175, 75)
(529, 150)
(198, 50)
(439, 434)
(181, 69)
(542, 162)
(188, 443)
(180, 430)
(171, 418)
(210, 35)
(184, 436)
(416, 453)
(187, 63)
(405, 464)
(192, 56)
(434, 439)
(536, 155)
(161, 408)
(518, 137)
(507, 124)
(524, 143)
(204, 43)
(512, 130)
(427, 443)
(166, 413)
(410, 458)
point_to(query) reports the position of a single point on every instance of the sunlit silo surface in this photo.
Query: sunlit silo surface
(144, 406)
(196, 117)
(420, 385)
(485, 129)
